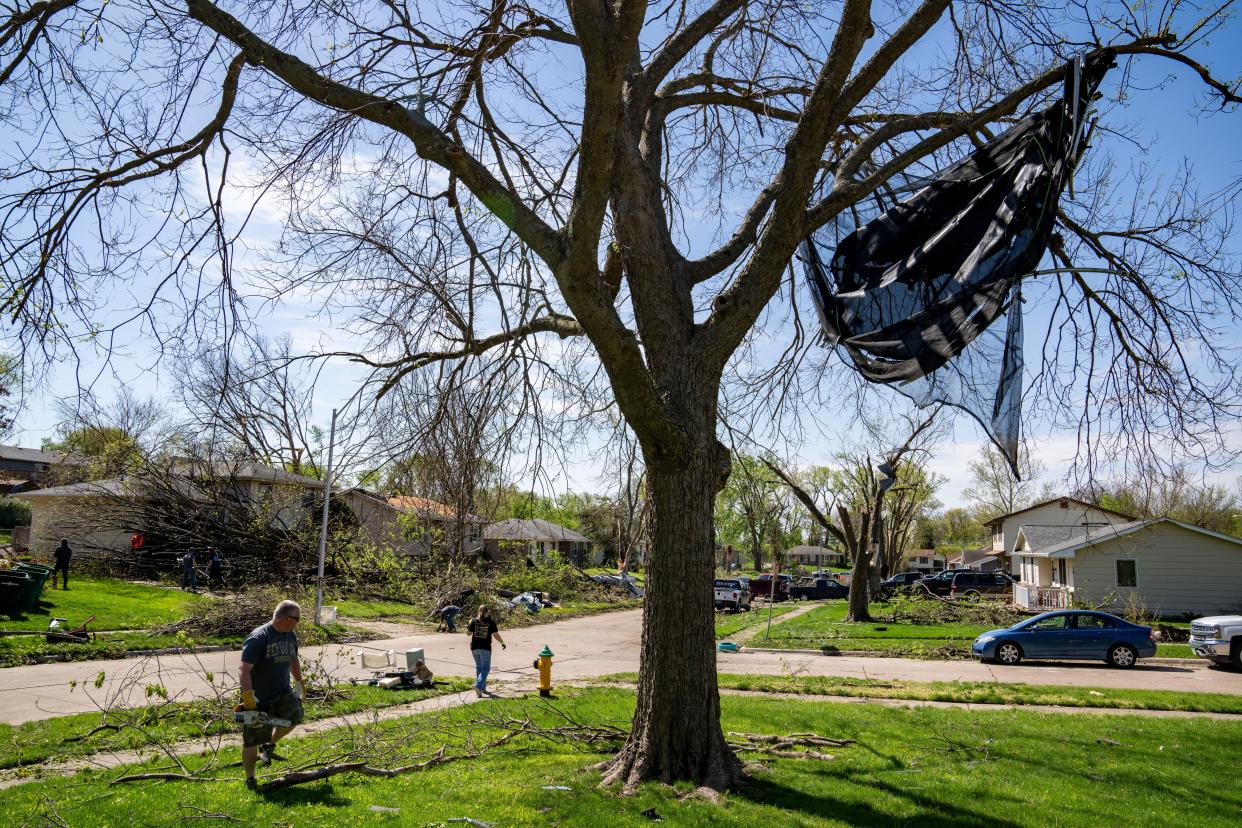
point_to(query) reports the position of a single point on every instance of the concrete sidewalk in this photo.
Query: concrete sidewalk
(584, 648)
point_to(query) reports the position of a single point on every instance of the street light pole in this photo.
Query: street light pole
(323, 526)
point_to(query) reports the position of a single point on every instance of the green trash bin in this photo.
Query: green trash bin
(10, 598)
(27, 596)
(37, 571)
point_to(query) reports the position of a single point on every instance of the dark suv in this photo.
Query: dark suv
(901, 582)
(940, 583)
(975, 585)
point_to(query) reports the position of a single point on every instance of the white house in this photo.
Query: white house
(926, 561)
(814, 556)
(64, 511)
(1065, 515)
(536, 539)
(1170, 567)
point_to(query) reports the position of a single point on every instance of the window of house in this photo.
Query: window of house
(1127, 573)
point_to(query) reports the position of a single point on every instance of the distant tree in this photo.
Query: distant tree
(852, 507)
(996, 491)
(750, 509)
(953, 529)
(1176, 495)
(113, 438)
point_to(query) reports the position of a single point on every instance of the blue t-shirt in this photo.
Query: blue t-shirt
(272, 655)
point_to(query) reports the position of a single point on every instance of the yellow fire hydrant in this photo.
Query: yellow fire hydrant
(545, 671)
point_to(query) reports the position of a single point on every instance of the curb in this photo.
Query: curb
(877, 654)
(59, 658)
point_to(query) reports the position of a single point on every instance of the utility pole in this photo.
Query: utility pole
(323, 526)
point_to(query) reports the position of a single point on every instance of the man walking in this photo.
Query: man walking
(269, 659)
(189, 578)
(60, 560)
(215, 569)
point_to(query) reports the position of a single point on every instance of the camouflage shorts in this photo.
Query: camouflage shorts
(288, 706)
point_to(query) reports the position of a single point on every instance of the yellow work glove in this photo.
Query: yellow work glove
(248, 701)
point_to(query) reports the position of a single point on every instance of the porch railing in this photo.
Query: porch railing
(1040, 598)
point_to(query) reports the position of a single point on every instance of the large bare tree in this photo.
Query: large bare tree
(604, 192)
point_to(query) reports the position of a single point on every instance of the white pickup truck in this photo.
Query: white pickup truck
(1218, 638)
(731, 593)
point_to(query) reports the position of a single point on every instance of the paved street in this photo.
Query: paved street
(584, 648)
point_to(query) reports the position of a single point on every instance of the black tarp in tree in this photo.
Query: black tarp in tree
(924, 292)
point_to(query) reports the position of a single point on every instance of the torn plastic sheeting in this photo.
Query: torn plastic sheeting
(914, 286)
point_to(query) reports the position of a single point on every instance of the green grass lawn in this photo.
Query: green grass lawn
(934, 767)
(116, 605)
(47, 740)
(359, 608)
(825, 627)
(984, 692)
(731, 623)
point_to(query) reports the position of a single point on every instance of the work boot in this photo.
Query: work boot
(252, 783)
(478, 692)
(265, 753)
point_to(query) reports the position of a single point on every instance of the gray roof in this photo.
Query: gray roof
(132, 486)
(1094, 535)
(1038, 538)
(29, 455)
(97, 488)
(812, 550)
(533, 529)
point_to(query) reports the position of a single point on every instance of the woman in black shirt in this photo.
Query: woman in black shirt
(482, 630)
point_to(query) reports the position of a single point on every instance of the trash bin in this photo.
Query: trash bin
(10, 598)
(27, 595)
(37, 571)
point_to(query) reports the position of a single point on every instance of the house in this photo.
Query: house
(413, 525)
(81, 511)
(1166, 566)
(924, 560)
(981, 559)
(1061, 514)
(23, 469)
(536, 539)
(814, 556)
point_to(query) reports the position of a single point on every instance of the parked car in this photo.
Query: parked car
(901, 582)
(815, 589)
(975, 585)
(1218, 638)
(731, 593)
(1068, 634)
(942, 582)
(761, 587)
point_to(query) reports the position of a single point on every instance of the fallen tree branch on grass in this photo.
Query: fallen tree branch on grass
(782, 746)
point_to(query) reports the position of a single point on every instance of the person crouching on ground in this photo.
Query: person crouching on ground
(482, 630)
(269, 659)
(447, 614)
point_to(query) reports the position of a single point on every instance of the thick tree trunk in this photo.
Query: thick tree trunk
(860, 595)
(676, 732)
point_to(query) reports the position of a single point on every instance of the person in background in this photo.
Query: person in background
(215, 569)
(447, 614)
(482, 630)
(189, 578)
(60, 560)
(136, 542)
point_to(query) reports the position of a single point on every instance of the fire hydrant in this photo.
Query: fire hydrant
(545, 671)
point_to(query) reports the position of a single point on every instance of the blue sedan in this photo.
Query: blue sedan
(1068, 634)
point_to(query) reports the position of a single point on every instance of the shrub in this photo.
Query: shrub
(13, 513)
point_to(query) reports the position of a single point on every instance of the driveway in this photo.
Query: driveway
(584, 648)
